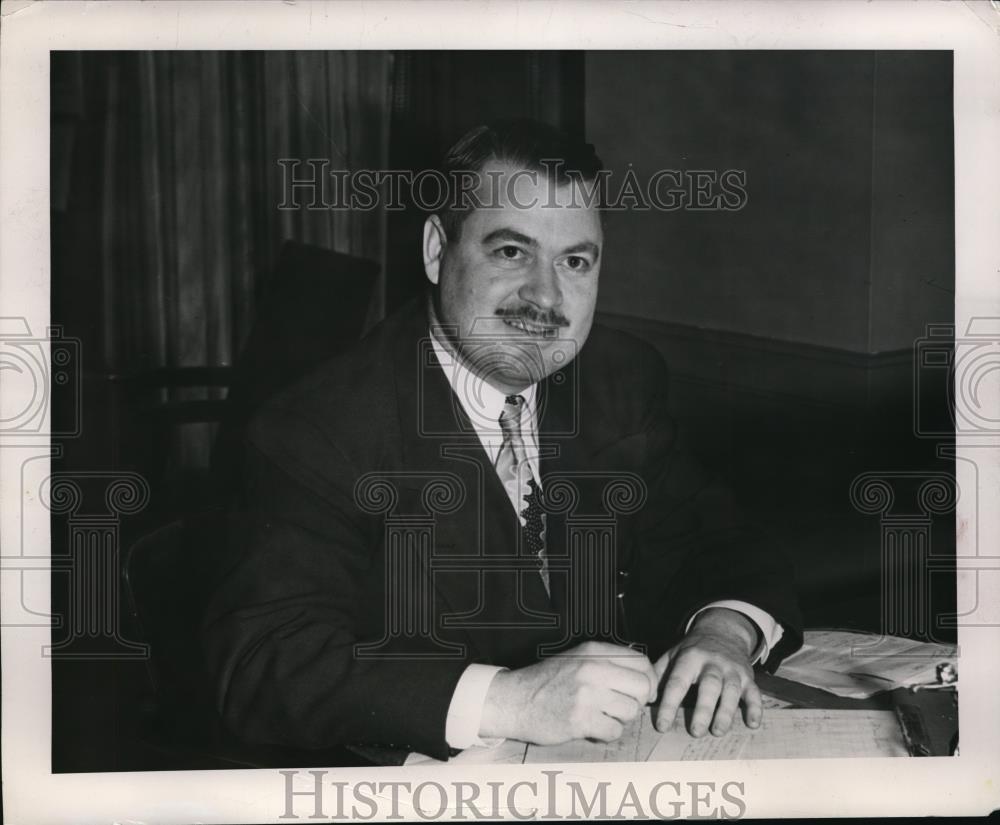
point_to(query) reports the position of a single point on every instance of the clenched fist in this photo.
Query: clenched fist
(590, 691)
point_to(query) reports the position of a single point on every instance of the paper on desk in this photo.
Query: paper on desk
(768, 701)
(783, 734)
(506, 752)
(790, 734)
(858, 665)
(634, 745)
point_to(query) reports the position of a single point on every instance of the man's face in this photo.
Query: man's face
(519, 284)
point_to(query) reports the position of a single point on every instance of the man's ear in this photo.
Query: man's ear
(435, 242)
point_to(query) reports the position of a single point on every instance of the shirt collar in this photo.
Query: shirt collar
(481, 401)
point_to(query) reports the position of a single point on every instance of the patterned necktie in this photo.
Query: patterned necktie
(515, 473)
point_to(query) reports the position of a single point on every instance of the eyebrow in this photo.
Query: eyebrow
(508, 234)
(584, 246)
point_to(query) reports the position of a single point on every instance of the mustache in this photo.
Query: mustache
(551, 318)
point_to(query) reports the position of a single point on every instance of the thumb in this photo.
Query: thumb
(662, 665)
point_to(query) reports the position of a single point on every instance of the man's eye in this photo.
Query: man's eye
(577, 263)
(510, 253)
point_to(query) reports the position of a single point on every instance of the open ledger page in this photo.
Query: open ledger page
(783, 734)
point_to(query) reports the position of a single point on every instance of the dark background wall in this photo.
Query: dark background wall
(846, 239)
(787, 326)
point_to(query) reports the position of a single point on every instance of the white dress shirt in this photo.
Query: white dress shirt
(483, 404)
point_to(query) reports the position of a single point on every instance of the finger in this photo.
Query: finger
(709, 688)
(604, 728)
(639, 663)
(753, 706)
(635, 684)
(635, 660)
(620, 707)
(626, 657)
(674, 690)
(606, 650)
(729, 703)
(663, 664)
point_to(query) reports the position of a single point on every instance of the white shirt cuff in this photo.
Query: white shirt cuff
(770, 631)
(465, 713)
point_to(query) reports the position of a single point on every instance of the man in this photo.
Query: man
(480, 523)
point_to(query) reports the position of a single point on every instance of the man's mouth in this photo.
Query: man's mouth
(532, 329)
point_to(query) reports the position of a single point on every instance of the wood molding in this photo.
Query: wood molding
(778, 371)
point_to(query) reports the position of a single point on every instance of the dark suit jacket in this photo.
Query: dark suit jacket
(382, 555)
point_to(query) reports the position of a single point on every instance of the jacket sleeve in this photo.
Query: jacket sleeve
(695, 544)
(281, 631)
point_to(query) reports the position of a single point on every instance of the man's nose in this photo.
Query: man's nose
(541, 288)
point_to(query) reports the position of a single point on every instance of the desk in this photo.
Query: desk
(799, 722)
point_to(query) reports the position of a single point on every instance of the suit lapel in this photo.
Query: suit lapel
(558, 453)
(576, 467)
(474, 540)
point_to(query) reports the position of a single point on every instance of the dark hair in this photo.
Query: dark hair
(523, 143)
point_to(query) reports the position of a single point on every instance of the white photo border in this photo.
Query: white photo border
(968, 784)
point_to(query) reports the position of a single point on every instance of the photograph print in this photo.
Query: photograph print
(501, 407)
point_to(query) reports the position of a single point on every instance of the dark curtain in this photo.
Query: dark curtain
(190, 184)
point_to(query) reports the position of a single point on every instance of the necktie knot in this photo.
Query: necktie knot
(510, 417)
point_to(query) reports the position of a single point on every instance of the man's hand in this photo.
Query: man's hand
(715, 655)
(591, 691)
